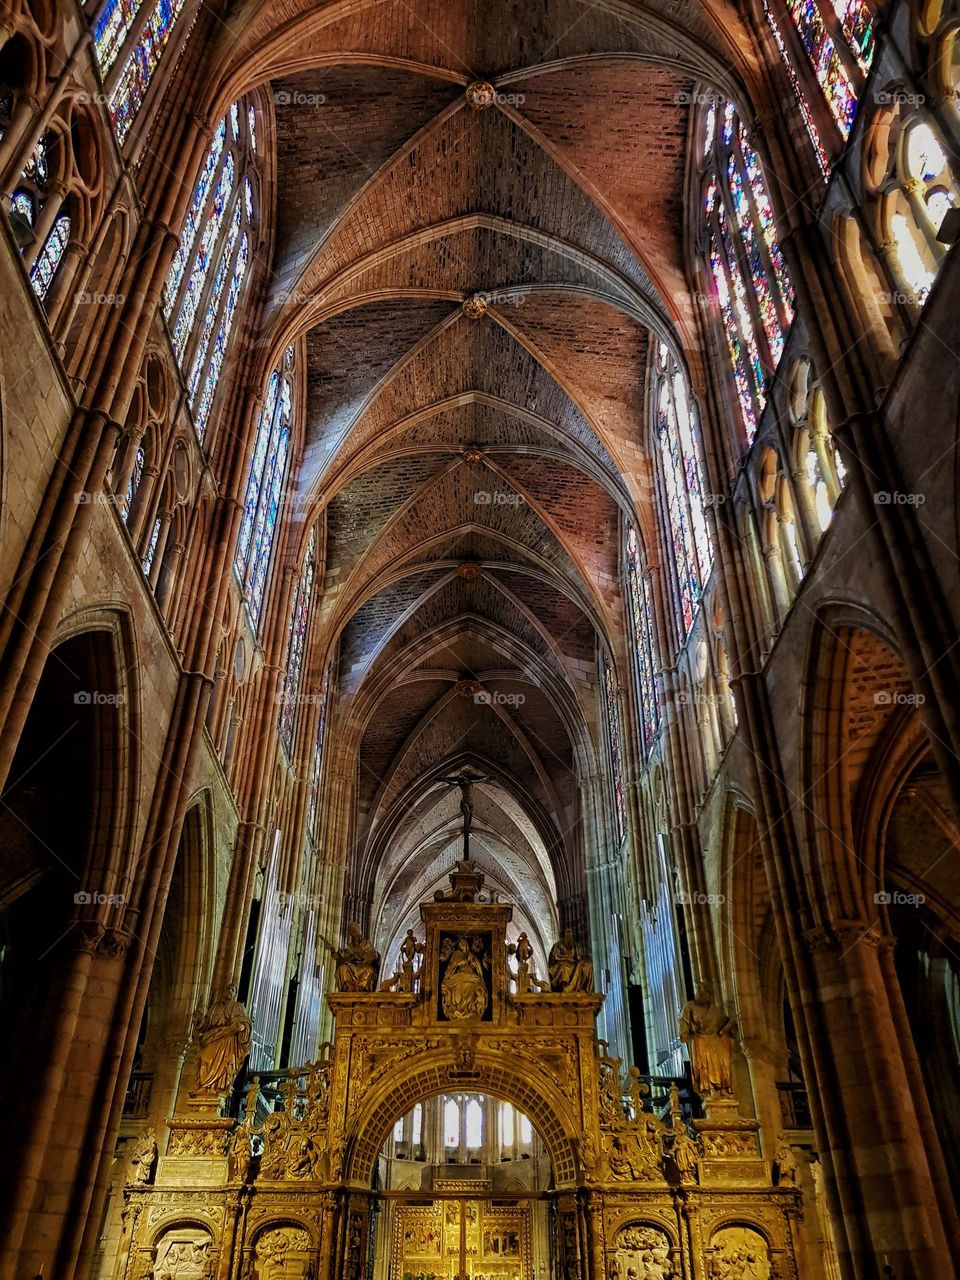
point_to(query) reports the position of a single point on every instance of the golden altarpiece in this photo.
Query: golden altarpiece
(632, 1197)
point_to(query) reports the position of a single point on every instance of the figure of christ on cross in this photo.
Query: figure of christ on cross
(465, 782)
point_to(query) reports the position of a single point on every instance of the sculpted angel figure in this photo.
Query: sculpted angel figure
(223, 1036)
(463, 992)
(410, 952)
(708, 1032)
(526, 975)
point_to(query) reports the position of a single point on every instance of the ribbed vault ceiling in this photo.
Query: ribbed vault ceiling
(472, 469)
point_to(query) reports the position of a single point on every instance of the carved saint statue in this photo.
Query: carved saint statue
(358, 963)
(708, 1034)
(568, 966)
(143, 1157)
(463, 992)
(223, 1035)
(526, 975)
(684, 1153)
(410, 951)
(785, 1165)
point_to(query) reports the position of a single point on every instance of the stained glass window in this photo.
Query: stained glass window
(151, 550)
(201, 407)
(136, 476)
(819, 150)
(692, 553)
(262, 500)
(837, 39)
(193, 294)
(22, 202)
(37, 168)
(752, 284)
(192, 221)
(818, 487)
(615, 745)
(134, 80)
(296, 643)
(205, 282)
(641, 618)
(710, 128)
(111, 29)
(316, 765)
(50, 257)
(827, 63)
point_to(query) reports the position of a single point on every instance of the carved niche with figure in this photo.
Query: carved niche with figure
(183, 1254)
(740, 1253)
(642, 1252)
(282, 1253)
(464, 976)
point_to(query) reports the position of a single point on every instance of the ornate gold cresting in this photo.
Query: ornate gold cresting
(634, 1192)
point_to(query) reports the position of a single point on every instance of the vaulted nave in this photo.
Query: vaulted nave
(480, 699)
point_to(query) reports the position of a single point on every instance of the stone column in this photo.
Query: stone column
(878, 1172)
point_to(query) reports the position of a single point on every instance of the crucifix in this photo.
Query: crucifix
(465, 782)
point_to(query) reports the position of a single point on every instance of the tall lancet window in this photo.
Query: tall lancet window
(296, 644)
(828, 47)
(641, 625)
(48, 259)
(205, 283)
(680, 468)
(611, 714)
(129, 39)
(750, 278)
(316, 764)
(261, 505)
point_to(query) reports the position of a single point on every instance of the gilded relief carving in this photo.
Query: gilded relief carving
(183, 1254)
(632, 1139)
(282, 1253)
(642, 1253)
(740, 1253)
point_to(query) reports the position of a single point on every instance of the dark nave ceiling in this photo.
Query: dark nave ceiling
(480, 284)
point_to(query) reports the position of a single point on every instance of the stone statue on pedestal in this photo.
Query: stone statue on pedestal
(708, 1032)
(223, 1036)
(785, 1168)
(568, 966)
(526, 975)
(358, 963)
(143, 1158)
